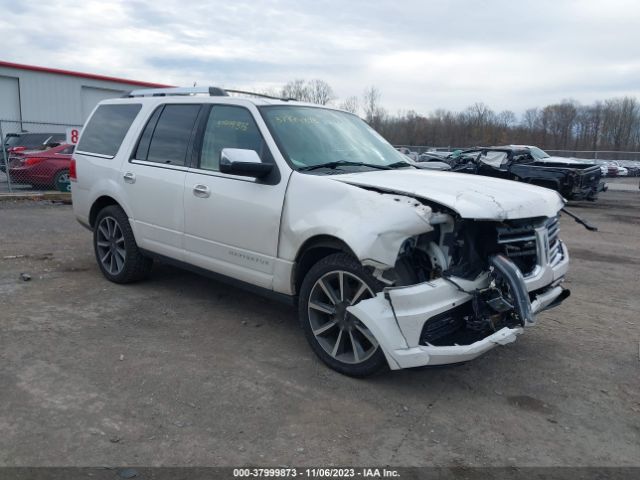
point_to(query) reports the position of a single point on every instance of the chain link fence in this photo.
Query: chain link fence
(607, 155)
(35, 155)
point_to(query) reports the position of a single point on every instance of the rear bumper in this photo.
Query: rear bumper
(396, 316)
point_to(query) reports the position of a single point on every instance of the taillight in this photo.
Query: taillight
(73, 176)
(33, 160)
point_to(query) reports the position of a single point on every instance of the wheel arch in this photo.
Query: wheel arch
(100, 203)
(311, 252)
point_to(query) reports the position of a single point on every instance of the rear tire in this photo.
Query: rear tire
(338, 338)
(62, 177)
(117, 253)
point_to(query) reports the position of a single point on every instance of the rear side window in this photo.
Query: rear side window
(107, 128)
(166, 137)
(12, 140)
(35, 139)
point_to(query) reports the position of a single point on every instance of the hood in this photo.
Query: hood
(568, 160)
(471, 196)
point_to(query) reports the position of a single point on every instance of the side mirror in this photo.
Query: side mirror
(247, 163)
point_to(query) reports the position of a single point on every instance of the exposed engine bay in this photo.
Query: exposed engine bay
(504, 253)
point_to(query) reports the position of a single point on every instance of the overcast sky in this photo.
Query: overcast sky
(422, 55)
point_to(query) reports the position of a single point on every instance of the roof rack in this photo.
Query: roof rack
(164, 92)
(211, 91)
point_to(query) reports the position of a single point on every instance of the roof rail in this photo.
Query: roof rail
(261, 95)
(211, 91)
(163, 92)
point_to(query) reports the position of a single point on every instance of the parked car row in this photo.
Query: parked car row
(572, 178)
(615, 168)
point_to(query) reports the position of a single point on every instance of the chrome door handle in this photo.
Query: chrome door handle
(201, 191)
(129, 177)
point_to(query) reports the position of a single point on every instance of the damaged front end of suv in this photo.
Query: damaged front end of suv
(465, 287)
(411, 267)
(461, 273)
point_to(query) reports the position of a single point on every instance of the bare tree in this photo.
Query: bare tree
(351, 104)
(613, 124)
(560, 122)
(296, 89)
(373, 112)
(319, 91)
(506, 119)
(314, 91)
(621, 118)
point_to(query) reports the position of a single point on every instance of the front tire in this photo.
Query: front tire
(339, 339)
(117, 253)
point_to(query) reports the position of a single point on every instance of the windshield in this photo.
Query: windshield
(310, 136)
(494, 158)
(538, 153)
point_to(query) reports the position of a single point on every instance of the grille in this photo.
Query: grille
(520, 243)
(554, 252)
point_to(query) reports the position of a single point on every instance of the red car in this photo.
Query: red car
(42, 168)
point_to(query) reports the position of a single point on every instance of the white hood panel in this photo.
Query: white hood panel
(471, 196)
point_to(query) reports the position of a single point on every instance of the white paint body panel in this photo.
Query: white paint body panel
(234, 231)
(372, 225)
(159, 224)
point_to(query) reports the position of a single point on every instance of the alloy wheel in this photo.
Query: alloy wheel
(337, 331)
(110, 245)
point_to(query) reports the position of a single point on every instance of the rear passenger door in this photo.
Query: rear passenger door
(232, 222)
(154, 178)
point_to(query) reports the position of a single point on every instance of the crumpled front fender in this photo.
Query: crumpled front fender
(374, 225)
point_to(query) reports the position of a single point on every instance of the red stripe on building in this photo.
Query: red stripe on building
(71, 73)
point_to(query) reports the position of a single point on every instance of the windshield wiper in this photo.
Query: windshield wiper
(401, 164)
(344, 163)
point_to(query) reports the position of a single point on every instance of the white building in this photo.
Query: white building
(52, 96)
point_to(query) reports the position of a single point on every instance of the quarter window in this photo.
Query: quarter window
(107, 128)
(230, 127)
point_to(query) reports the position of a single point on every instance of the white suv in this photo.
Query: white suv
(389, 265)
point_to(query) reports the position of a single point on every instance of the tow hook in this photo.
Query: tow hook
(513, 276)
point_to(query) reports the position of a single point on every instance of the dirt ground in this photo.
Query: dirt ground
(182, 370)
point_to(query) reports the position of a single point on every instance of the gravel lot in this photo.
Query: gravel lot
(182, 370)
